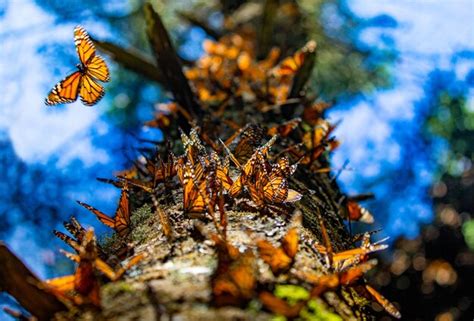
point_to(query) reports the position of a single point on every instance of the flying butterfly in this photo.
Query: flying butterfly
(78, 233)
(84, 81)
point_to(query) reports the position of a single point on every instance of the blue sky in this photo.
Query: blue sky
(377, 129)
(36, 131)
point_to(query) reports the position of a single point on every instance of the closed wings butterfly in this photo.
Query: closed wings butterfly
(84, 81)
(121, 221)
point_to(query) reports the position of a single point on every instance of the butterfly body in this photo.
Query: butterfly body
(84, 81)
(81, 68)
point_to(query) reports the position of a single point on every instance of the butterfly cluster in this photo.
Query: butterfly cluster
(228, 167)
(228, 80)
(244, 173)
(252, 169)
(209, 172)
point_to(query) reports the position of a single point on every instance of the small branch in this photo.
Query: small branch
(301, 77)
(22, 284)
(132, 60)
(169, 64)
(304, 72)
(265, 33)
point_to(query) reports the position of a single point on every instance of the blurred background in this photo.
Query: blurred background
(400, 75)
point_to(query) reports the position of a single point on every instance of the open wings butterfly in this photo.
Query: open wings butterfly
(84, 81)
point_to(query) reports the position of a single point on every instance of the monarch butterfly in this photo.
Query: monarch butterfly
(252, 165)
(280, 259)
(386, 304)
(193, 190)
(290, 65)
(78, 233)
(284, 129)
(272, 187)
(280, 306)
(84, 281)
(162, 170)
(234, 281)
(222, 172)
(252, 135)
(83, 81)
(344, 259)
(355, 212)
(313, 113)
(121, 221)
(349, 266)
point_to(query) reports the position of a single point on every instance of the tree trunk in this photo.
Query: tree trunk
(188, 254)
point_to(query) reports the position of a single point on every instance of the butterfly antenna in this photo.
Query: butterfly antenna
(232, 157)
(346, 162)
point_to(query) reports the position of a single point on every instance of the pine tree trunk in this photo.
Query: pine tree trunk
(174, 282)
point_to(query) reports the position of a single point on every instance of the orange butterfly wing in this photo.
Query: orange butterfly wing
(97, 68)
(280, 258)
(355, 273)
(107, 220)
(91, 91)
(62, 284)
(284, 129)
(67, 239)
(65, 91)
(358, 213)
(276, 190)
(235, 282)
(84, 46)
(290, 242)
(275, 257)
(386, 304)
(122, 215)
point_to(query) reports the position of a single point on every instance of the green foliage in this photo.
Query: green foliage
(341, 68)
(316, 311)
(141, 215)
(468, 233)
(291, 293)
(452, 120)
